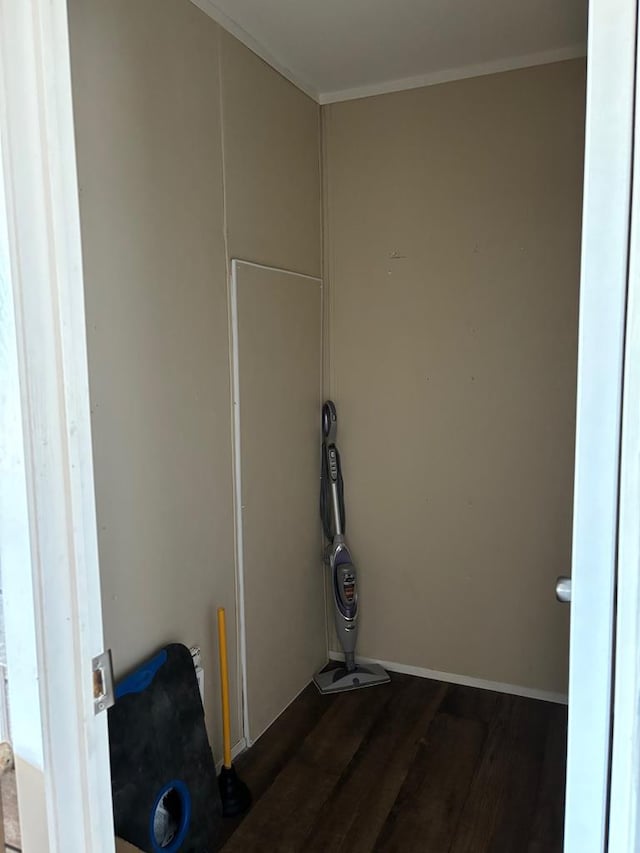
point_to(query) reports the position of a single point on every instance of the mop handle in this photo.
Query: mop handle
(224, 686)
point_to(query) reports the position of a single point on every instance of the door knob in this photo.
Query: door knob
(563, 589)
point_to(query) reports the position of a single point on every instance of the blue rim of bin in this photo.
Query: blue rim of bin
(185, 818)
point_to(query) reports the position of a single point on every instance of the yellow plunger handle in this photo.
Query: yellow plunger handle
(224, 687)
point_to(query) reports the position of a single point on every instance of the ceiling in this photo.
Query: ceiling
(341, 49)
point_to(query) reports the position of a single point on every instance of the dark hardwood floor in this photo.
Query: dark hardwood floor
(415, 765)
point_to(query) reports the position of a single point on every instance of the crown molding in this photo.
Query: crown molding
(433, 78)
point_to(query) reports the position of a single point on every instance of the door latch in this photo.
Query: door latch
(103, 694)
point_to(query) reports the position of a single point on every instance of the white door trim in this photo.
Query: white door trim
(237, 473)
(36, 122)
(605, 239)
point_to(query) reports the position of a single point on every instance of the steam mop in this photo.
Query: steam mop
(352, 675)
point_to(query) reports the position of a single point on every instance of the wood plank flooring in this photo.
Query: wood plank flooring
(415, 765)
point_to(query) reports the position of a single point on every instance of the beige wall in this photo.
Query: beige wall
(148, 80)
(453, 228)
(452, 232)
(272, 164)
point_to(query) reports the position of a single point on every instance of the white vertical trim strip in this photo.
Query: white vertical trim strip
(240, 693)
(605, 238)
(323, 353)
(237, 471)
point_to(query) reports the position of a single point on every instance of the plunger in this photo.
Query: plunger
(235, 796)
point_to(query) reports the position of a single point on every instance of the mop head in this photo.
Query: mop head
(341, 679)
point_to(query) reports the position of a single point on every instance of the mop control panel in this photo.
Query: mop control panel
(333, 463)
(349, 586)
(345, 579)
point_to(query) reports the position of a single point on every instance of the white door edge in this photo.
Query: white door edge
(624, 826)
(36, 122)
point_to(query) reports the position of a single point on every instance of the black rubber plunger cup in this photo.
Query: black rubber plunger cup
(235, 796)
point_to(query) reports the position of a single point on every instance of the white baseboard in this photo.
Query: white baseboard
(465, 680)
(236, 749)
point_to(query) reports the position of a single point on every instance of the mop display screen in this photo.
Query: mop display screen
(349, 587)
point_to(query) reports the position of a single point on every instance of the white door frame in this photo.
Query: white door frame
(36, 126)
(603, 291)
